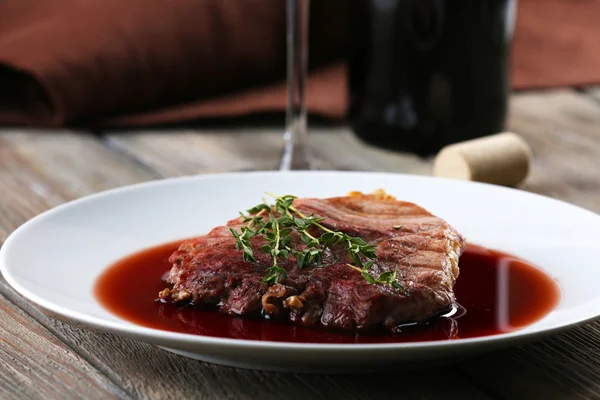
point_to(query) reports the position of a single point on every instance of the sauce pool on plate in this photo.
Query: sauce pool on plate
(497, 293)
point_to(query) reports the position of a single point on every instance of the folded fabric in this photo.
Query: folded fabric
(75, 61)
(137, 62)
(556, 44)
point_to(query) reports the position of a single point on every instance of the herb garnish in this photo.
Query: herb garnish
(276, 222)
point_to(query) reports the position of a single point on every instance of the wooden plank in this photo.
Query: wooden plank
(560, 126)
(562, 367)
(17, 182)
(37, 172)
(341, 149)
(58, 155)
(187, 153)
(593, 91)
(148, 372)
(141, 369)
(35, 364)
(184, 153)
(563, 129)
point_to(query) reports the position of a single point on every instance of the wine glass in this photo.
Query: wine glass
(296, 153)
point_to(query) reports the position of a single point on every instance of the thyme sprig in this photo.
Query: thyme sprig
(276, 222)
(387, 278)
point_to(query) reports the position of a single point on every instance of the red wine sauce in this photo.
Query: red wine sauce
(497, 293)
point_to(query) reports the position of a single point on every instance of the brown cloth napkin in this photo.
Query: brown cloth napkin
(148, 62)
(139, 62)
(556, 44)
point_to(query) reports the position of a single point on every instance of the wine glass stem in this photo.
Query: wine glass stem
(296, 153)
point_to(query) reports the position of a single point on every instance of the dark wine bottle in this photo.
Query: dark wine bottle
(434, 72)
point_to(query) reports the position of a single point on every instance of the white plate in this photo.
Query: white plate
(55, 258)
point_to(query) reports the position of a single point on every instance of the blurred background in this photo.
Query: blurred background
(413, 75)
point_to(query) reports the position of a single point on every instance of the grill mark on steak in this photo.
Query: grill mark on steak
(425, 251)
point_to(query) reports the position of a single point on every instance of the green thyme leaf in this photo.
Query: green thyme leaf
(386, 276)
(300, 259)
(259, 208)
(284, 253)
(305, 237)
(280, 223)
(368, 264)
(368, 277)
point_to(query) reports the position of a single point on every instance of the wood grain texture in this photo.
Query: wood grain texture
(563, 129)
(139, 369)
(185, 153)
(563, 367)
(148, 372)
(36, 364)
(592, 91)
(42, 170)
(39, 171)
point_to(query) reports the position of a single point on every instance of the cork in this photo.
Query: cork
(501, 159)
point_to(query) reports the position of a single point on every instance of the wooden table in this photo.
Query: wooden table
(44, 357)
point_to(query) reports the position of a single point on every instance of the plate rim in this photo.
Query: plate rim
(139, 332)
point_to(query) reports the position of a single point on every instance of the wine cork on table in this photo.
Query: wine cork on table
(501, 159)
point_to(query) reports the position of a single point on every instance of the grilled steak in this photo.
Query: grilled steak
(210, 270)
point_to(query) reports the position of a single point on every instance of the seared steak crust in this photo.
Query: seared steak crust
(425, 251)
